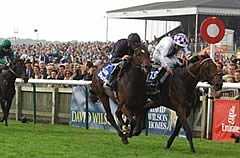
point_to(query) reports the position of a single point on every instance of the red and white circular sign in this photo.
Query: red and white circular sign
(212, 30)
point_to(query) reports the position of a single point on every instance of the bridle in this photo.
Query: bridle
(141, 66)
(202, 62)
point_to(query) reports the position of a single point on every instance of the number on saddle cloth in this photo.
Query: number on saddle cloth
(106, 71)
(153, 79)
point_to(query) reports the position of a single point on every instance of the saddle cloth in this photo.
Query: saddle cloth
(106, 71)
(155, 78)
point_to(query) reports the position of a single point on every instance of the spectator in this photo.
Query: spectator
(67, 75)
(237, 76)
(77, 73)
(36, 72)
(53, 75)
(50, 68)
(29, 70)
(43, 69)
(60, 75)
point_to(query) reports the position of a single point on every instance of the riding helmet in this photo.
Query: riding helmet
(6, 44)
(134, 39)
(181, 40)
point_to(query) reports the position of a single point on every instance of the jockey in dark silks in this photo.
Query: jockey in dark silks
(122, 49)
(6, 54)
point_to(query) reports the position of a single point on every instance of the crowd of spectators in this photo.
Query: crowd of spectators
(65, 61)
(77, 60)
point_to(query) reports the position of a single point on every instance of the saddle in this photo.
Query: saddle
(155, 78)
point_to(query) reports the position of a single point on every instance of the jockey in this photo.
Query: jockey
(166, 51)
(6, 54)
(122, 49)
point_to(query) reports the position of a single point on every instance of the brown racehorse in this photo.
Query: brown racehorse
(177, 92)
(7, 85)
(129, 93)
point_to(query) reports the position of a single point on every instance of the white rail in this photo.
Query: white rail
(81, 82)
(46, 81)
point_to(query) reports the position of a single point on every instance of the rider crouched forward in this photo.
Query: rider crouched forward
(122, 50)
(166, 51)
(6, 54)
(165, 59)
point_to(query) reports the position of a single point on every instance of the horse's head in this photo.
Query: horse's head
(141, 58)
(209, 73)
(17, 67)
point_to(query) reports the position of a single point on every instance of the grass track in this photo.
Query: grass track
(60, 141)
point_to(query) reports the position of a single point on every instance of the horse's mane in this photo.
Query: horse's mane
(181, 70)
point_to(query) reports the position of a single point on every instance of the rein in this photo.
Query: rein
(14, 73)
(203, 61)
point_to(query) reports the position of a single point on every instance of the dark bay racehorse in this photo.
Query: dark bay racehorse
(130, 92)
(177, 92)
(7, 85)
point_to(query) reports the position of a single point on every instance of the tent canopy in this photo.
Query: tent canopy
(172, 10)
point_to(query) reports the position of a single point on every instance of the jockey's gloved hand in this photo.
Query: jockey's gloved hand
(125, 57)
(8, 64)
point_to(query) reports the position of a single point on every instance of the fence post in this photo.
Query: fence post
(86, 94)
(203, 119)
(18, 102)
(209, 114)
(146, 123)
(34, 103)
(53, 105)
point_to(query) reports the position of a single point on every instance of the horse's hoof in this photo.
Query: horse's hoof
(136, 132)
(167, 147)
(124, 139)
(2, 120)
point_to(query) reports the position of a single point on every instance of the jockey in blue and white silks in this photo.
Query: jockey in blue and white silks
(166, 51)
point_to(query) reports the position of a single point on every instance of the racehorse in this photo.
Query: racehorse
(177, 90)
(129, 92)
(7, 85)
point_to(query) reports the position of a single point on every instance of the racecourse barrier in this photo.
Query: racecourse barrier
(58, 97)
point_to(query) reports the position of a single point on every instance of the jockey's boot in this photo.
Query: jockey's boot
(110, 82)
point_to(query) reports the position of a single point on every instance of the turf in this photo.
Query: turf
(60, 141)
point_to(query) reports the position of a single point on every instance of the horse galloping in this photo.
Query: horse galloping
(7, 85)
(129, 92)
(176, 92)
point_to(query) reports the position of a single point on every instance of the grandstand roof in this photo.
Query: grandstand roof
(178, 8)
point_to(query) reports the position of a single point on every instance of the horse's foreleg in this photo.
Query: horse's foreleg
(6, 113)
(183, 120)
(130, 120)
(139, 122)
(119, 116)
(111, 119)
(174, 134)
(3, 109)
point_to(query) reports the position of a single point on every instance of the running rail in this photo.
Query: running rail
(87, 83)
(81, 82)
